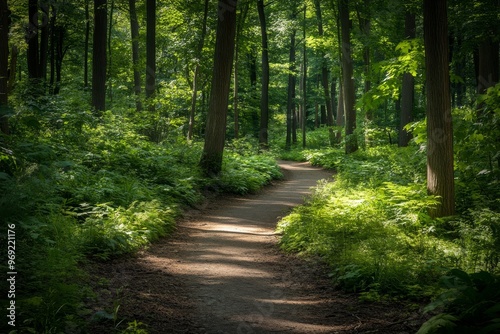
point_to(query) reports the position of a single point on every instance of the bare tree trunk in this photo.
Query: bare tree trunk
(291, 92)
(32, 38)
(211, 159)
(239, 28)
(134, 29)
(365, 28)
(348, 80)
(264, 101)
(408, 88)
(4, 64)
(44, 40)
(196, 72)
(99, 62)
(150, 52)
(304, 81)
(110, 58)
(440, 175)
(86, 46)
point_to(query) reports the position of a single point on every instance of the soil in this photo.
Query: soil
(222, 272)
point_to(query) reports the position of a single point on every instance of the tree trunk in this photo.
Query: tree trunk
(304, 81)
(150, 52)
(408, 89)
(488, 65)
(59, 57)
(4, 64)
(86, 46)
(99, 56)
(325, 118)
(211, 159)
(134, 29)
(365, 28)
(44, 40)
(32, 39)
(239, 28)
(264, 101)
(13, 65)
(110, 58)
(291, 92)
(194, 94)
(440, 176)
(347, 78)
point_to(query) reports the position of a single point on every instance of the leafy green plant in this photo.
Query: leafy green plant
(470, 303)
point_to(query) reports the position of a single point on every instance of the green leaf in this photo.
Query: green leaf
(441, 323)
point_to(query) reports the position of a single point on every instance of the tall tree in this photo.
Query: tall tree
(134, 30)
(328, 117)
(34, 72)
(199, 50)
(364, 21)
(347, 78)
(211, 159)
(408, 88)
(99, 58)
(264, 100)
(303, 119)
(86, 45)
(440, 176)
(290, 110)
(239, 28)
(150, 50)
(4, 63)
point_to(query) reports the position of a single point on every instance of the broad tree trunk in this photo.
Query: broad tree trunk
(348, 80)
(134, 30)
(194, 94)
(150, 52)
(211, 159)
(4, 64)
(99, 62)
(264, 100)
(440, 176)
(408, 88)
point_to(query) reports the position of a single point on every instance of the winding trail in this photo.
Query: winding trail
(222, 272)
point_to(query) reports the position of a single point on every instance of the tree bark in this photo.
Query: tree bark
(194, 94)
(304, 81)
(32, 39)
(211, 159)
(150, 51)
(99, 62)
(365, 28)
(134, 30)
(347, 78)
(408, 88)
(264, 101)
(440, 175)
(86, 45)
(236, 112)
(4, 64)
(291, 92)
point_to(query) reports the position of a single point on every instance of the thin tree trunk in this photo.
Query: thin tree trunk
(32, 36)
(150, 52)
(348, 80)
(211, 159)
(13, 66)
(304, 81)
(365, 28)
(86, 45)
(291, 92)
(236, 112)
(52, 51)
(4, 64)
(99, 62)
(44, 40)
(440, 175)
(134, 29)
(408, 88)
(196, 72)
(264, 102)
(110, 58)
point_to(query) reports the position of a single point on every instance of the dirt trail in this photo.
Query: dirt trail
(222, 272)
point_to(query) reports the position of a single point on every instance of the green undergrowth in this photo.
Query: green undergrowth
(78, 188)
(371, 226)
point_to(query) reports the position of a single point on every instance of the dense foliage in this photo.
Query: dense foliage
(81, 188)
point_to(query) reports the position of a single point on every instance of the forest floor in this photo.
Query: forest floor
(222, 272)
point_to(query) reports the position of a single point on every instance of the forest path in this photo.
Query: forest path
(222, 272)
